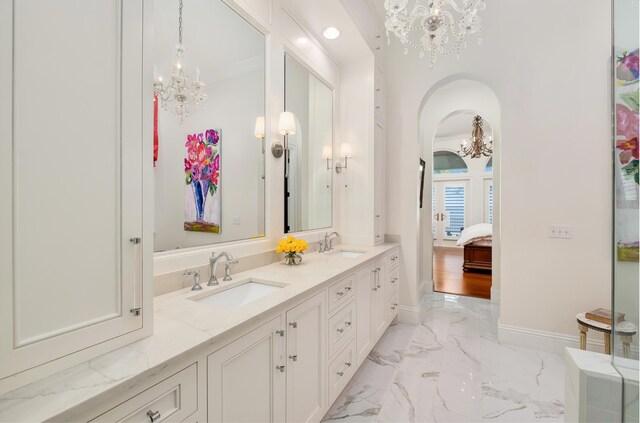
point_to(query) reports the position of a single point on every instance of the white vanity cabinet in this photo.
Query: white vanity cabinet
(306, 360)
(73, 164)
(247, 378)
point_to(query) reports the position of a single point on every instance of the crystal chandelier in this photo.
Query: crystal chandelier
(184, 96)
(428, 28)
(478, 147)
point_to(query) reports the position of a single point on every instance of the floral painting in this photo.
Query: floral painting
(627, 161)
(202, 178)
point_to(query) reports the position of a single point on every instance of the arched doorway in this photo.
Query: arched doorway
(453, 96)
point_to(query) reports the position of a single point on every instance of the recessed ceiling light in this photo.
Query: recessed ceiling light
(331, 33)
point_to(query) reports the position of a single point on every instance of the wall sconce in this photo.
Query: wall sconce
(259, 131)
(286, 127)
(327, 154)
(346, 152)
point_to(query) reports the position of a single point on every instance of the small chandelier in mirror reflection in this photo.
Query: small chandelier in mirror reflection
(183, 96)
(433, 27)
(478, 146)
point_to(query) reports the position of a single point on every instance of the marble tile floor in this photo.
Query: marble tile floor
(451, 368)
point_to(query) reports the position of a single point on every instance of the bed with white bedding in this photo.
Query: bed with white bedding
(477, 242)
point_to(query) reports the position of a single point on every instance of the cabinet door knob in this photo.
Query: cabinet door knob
(340, 330)
(340, 293)
(293, 324)
(281, 368)
(294, 357)
(340, 373)
(280, 332)
(154, 416)
(347, 288)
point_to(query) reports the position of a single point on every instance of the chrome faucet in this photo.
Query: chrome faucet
(213, 265)
(196, 279)
(227, 269)
(327, 244)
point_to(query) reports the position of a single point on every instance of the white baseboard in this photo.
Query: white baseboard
(495, 296)
(546, 341)
(409, 315)
(426, 289)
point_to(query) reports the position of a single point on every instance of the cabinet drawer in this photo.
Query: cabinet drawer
(341, 370)
(392, 259)
(340, 292)
(342, 328)
(393, 277)
(394, 301)
(172, 400)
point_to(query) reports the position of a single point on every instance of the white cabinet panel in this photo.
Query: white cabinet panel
(365, 286)
(341, 369)
(379, 180)
(342, 328)
(73, 201)
(306, 364)
(379, 302)
(246, 380)
(172, 400)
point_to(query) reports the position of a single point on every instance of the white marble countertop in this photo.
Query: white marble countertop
(180, 326)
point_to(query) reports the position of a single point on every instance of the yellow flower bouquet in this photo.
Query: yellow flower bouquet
(292, 248)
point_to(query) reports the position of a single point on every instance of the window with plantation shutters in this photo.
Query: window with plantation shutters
(454, 203)
(488, 200)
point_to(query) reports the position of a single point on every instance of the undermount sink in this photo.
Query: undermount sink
(346, 253)
(239, 294)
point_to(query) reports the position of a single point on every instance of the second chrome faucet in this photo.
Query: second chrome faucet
(213, 266)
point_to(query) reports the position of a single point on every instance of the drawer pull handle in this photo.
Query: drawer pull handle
(347, 288)
(281, 368)
(340, 330)
(294, 357)
(347, 323)
(340, 293)
(154, 416)
(346, 366)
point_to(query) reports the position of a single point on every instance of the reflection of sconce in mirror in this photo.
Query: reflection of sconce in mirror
(286, 127)
(259, 131)
(327, 154)
(345, 151)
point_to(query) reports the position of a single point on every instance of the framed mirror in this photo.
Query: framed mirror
(210, 167)
(308, 152)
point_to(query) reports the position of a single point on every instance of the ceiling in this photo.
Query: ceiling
(458, 125)
(316, 16)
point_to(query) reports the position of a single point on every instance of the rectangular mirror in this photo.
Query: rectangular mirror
(309, 158)
(209, 171)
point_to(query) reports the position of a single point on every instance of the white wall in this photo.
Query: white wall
(555, 146)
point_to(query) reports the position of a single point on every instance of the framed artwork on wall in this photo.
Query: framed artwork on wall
(202, 211)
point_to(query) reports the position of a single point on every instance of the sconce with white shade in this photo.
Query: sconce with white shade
(286, 127)
(259, 131)
(287, 124)
(327, 154)
(346, 152)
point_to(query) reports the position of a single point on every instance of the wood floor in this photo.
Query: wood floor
(449, 277)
